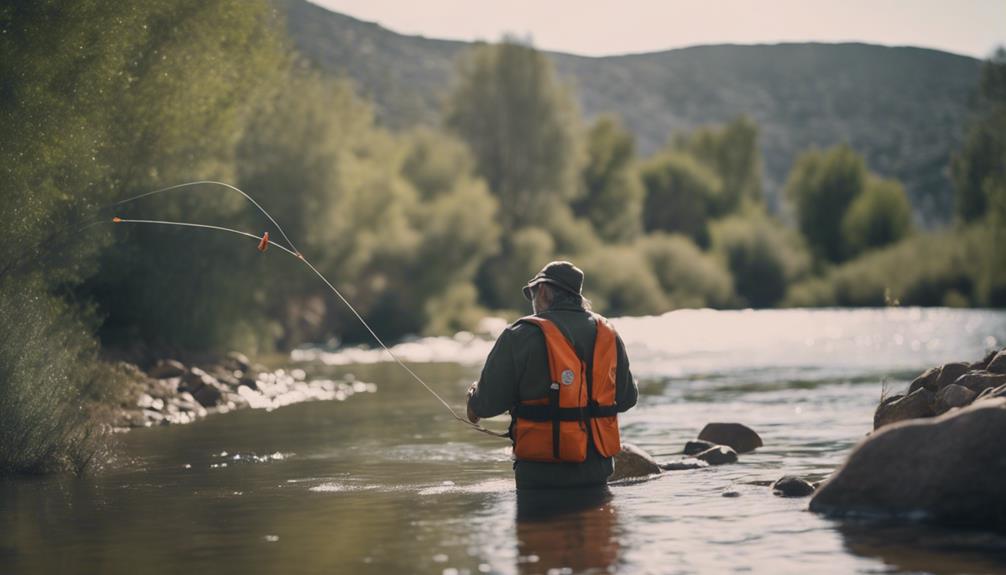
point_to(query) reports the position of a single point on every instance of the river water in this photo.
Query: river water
(386, 482)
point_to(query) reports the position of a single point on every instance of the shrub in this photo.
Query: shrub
(619, 281)
(689, 277)
(880, 216)
(927, 270)
(55, 396)
(762, 256)
(681, 194)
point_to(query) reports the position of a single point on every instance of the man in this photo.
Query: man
(564, 375)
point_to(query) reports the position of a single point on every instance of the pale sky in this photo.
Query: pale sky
(605, 27)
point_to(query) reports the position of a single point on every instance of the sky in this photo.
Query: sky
(606, 27)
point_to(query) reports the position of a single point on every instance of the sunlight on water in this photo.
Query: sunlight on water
(388, 483)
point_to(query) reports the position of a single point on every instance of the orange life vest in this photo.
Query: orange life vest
(578, 407)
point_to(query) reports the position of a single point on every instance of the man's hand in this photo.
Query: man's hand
(471, 391)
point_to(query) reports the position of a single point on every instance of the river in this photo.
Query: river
(386, 482)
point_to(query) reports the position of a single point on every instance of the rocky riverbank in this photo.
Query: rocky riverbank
(170, 392)
(936, 452)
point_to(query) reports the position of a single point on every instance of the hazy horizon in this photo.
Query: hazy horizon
(608, 28)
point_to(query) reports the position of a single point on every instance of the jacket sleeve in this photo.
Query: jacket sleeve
(626, 392)
(495, 392)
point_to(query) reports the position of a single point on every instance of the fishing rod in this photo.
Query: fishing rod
(263, 244)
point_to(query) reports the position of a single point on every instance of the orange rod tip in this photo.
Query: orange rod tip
(116, 220)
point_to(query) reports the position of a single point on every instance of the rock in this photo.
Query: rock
(166, 368)
(927, 380)
(633, 461)
(983, 364)
(731, 494)
(718, 455)
(992, 392)
(979, 381)
(207, 395)
(950, 372)
(697, 446)
(998, 363)
(792, 486)
(195, 379)
(238, 360)
(953, 396)
(737, 436)
(948, 469)
(684, 464)
(916, 404)
(249, 382)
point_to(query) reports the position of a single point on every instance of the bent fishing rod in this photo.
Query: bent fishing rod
(263, 244)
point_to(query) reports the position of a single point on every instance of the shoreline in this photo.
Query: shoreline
(173, 393)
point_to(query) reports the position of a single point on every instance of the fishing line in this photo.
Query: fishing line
(264, 242)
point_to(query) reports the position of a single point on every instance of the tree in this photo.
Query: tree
(732, 152)
(521, 126)
(680, 195)
(881, 215)
(689, 277)
(979, 170)
(821, 187)
(761, 254)
(612, 198)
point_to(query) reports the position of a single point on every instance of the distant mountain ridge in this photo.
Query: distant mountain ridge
(904, 108)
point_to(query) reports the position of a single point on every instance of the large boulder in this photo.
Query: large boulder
(633, 461)
(953, 396)
(927, 380)
(737, 436)
(979, 381)
(718, 455)
(948, 469)
(916, 404)
(950, 372)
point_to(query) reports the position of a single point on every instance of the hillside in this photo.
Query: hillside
(903, 108)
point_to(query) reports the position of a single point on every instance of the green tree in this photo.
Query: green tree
(762, 255)
(821, 187)
(979, 169)
(732, 152)
(881, 215)
(680, 195)
(689, 277)
(521, 125)
(612, 198)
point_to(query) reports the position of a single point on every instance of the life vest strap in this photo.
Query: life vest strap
(547, 413)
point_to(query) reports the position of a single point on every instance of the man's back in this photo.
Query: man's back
(517, 370)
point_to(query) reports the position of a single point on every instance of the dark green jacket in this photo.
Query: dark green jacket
(517, 369)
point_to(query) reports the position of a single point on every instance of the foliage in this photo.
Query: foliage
(689, 277)
(762, 255)
(945, 268)
(53, 391)
(901, 107)
(979, 169)
(881, 215)
(612, 199)
(821, 187)
(619, 281)
(681, 195)
(521, 126)
(732, 152)
(502, 276)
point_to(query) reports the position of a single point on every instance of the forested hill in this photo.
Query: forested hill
(904, 108)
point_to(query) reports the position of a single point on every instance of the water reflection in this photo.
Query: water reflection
(924, 548)
(567, 531)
